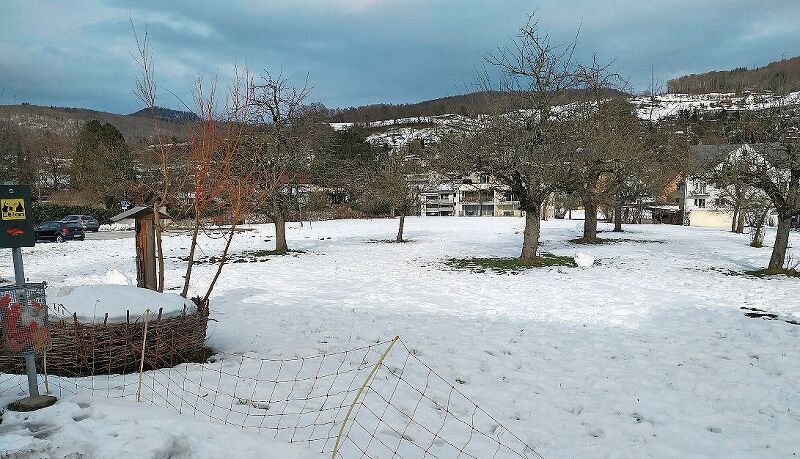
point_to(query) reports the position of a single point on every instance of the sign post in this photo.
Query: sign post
(16, 231)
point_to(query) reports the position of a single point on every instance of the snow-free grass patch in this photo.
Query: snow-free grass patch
(756, 313)
(247, 256)
(774, 272)
(269, 253)
(510, 265)
(602, 240)
(389, 241)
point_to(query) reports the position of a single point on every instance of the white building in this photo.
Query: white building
(438, 202)
(486, 198)
(475, 196)
(704, 205)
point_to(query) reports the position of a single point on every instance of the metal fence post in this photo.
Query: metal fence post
(30, 357)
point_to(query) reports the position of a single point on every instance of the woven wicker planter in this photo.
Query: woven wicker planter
(80, 349)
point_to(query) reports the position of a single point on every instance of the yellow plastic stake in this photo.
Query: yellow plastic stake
(141, 361)
(358, 395)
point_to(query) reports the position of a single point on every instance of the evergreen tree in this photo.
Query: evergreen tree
(102, 165)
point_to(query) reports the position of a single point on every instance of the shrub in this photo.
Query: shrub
(50, 211)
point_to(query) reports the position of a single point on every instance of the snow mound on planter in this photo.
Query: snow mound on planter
(92, 302)
(117, 277)
(583, 260)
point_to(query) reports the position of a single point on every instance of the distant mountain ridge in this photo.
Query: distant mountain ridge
(471, 104)
(66, 121)
(780, 76)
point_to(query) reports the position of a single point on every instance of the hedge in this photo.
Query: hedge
(50, 211)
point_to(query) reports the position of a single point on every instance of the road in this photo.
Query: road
(108, 235)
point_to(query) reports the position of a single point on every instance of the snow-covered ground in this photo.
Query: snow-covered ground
(96, 428)
(645, 354)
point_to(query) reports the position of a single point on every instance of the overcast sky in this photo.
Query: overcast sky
(356, 52)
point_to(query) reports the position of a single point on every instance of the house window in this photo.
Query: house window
(701, 202)
(700, 188)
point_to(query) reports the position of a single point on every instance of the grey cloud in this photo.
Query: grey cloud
(365, 51)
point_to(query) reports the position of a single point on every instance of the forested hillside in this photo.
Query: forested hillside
(779, 76)
(65, 121)
(481, 102)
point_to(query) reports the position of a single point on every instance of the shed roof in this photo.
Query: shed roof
(136, 212)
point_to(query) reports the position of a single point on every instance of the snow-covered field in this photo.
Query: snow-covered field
(645, 354)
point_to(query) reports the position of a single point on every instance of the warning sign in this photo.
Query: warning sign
(16, 217)
(13, 209)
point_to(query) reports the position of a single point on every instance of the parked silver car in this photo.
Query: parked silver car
(87, 222)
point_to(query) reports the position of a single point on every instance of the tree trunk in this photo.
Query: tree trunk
(617, 218)
(737, 226)
(740, 222)
(640, 210)
(159, 249)
(222, 260)
(758, 230)
(530, 237)
(544, 209)
(192, 247)
(280, 232)
(399, 237)
(589, 220)
(159, 256)
(781, 242)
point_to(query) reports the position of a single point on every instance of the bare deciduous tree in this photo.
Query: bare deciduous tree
(286, 132)
(208, 179)
(526, 150)
(771, 162)
(396, 181)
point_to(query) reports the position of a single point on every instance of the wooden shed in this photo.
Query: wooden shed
(146, 275)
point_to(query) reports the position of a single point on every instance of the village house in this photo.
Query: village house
(705, 203)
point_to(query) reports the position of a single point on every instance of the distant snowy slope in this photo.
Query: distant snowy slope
(401, 131)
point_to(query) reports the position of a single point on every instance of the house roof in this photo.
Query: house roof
(709, 156)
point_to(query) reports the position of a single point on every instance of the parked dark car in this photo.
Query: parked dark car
(87, 222)
(59, 231)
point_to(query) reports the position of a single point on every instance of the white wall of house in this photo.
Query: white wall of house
(703, 205)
